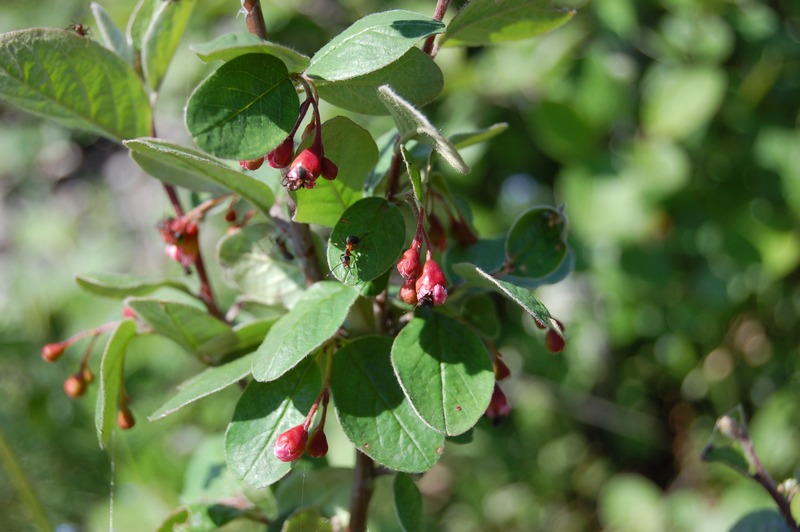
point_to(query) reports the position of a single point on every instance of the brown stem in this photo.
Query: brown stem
(761, 476)
(438, 14)
(172, 194)
(394, 174)
(255, 18)
(363, 485)
(206, 295)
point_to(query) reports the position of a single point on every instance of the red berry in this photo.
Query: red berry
(252, 164)
(317, 443)
(501, 370)
(554, 341)
(329, 169)
(75, 385)
(431, 288)
(125, 419)
(230, 216)
(408, 265)
(498, 405)
(52, 352)
(281, 156)
(291, 444)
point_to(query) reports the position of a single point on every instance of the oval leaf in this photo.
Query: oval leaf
(244, 109)
(370, 44)
(252, 264)
(73, 80)
(352, 149)
(444, 370)
(111, 368)
(188, 326)
(173, 160)
(112, 36)
(204, 384)
(536, 243)
(415, 77)
(231, 45)
(412, 124)
(373, 411)
(161, 39)
(265, 411)
(381, 232)
(121, 285)
(518, 295)
(483, 22)
(314, 319)
(407, 502)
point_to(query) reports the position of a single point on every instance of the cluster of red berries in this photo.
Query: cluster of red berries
(424, 286)
(180, 235)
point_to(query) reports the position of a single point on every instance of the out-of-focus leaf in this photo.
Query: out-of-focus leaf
(470, 138)
(370, 44)
(232, 45)
(414, 176)
(112, 36)
(407, 502)
(111, 376)
(120, 285)
(167, 24)
(536, 243)
(62, 76)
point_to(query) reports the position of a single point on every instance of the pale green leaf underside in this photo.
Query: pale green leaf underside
(111, 376)
(314, 319)
(58, 74)
(176, 159)
(204, 384)
(232, 45)
(370, 44)
(112, 36)
(168, 22)
(415, 77)
(122, 285)
(373, 411)
(413, 125)
(495, 21)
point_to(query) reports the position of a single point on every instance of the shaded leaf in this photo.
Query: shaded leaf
(177, 164)
(415, 77)
(204, 384)
(483, 22)
(412, 124)
(726, 454)
(407, 502)
(111, 368)
(232, 45)
(62, 76)
(314, 319)
(445, 371)
(122, 285)
(244, 109)
(264, 411)
(370, 44)
(373, 411)
(536, 243)
(352, 149)
(381, 231)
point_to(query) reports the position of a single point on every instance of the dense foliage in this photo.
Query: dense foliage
(667, 129)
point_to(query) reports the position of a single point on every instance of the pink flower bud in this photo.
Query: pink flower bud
(317, 443)
(75, 385)
(291, 444)
(501, 370)
(431, 289)
(408, 265)
(281, 156)
(498, 405)
(125, 419)
(252, 164)
(180, 235)
(52, 352)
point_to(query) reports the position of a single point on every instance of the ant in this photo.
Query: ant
(80, 29)
(347, 259)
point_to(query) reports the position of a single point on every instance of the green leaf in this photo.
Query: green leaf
(252, 264)
(265, 411)
(381, 232)
(111, 368)
(204, 384)
(177, 164)
(332, 487)
(232, 45)
(481, 312)
(487, 254)
(315, 318)
(536, 243)
(761, 520)
(407, 502)
(307, 519)
(483, 22)
(370, 44)
(412, 124)
(463, 140)
(726, 454)
(188, 326)
(352, 149)
(74, 81)
(386, 143)
(415, 77)
(121, 285)
(244, 109)
(139, 22)
(167, 24)
(373, 411)
(414, 176)
(242, 339)
(518, 295)
(112, 36)
(445, 371)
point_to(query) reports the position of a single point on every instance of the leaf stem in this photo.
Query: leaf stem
(255, 18)
(438, 14)
(363, 486)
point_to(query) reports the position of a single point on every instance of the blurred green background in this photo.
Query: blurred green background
(668, 129)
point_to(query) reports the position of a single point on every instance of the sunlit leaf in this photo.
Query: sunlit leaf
(232, 45)
(164, 31)
(112, 36)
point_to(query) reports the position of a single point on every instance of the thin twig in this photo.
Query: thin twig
(761, 476)
(363, 485)
(438, 14)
